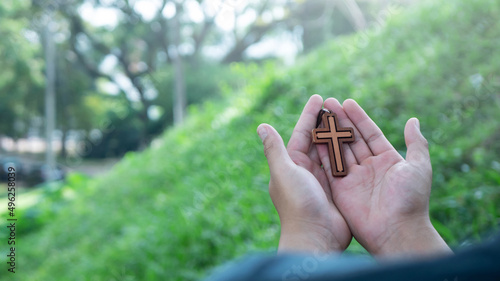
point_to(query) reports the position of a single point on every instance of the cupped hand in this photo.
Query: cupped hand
(384, 198)
(300, 189)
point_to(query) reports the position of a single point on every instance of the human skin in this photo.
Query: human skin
(300, 189)
(383, 201)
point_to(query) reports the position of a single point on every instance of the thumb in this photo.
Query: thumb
(274, 148)
(416, 144)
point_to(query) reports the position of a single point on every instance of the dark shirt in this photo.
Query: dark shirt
(480, 262)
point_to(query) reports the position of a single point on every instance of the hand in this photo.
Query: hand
(384, 198)
(300, 190)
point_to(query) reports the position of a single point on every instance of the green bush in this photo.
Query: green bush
(198, 197)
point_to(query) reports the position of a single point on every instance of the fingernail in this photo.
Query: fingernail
(418, 123)
(261, 130)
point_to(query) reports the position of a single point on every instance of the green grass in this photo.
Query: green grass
(26, 198)
(199, 197)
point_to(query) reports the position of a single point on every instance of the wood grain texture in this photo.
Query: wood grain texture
(334, 136)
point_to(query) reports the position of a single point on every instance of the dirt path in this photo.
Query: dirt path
(94, 167)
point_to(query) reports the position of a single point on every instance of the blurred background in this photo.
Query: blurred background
(131, 123)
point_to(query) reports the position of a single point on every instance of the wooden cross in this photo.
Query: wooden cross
(334, 137)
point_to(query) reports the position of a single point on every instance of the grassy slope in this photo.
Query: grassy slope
(199, 197)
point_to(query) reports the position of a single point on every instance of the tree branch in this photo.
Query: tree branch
(201, 36)
(253, 36)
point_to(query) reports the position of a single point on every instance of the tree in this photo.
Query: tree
(139, 45)
(173, 41)
(72, 86)
(324, 19)
(21, 80)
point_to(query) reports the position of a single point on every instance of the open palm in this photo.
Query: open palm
(300, 189)
(382, 191)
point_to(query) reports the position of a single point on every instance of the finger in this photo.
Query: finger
(371, 133)
(274, 148)
(325, 158)
(313, 154)
(358, 147)
(301, 136)
(417, 145)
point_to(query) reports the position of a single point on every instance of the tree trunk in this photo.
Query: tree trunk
(355, 14)
(179, 83)
(63, 143)
(50, 108)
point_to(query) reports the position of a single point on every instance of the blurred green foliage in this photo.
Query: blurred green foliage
(198, 197)
(203, 80)
(21, 78)
(120, 124)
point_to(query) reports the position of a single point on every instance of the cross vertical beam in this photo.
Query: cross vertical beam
(334, 136)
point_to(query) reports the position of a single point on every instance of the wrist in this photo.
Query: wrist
(416, 237)
(307, 237)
